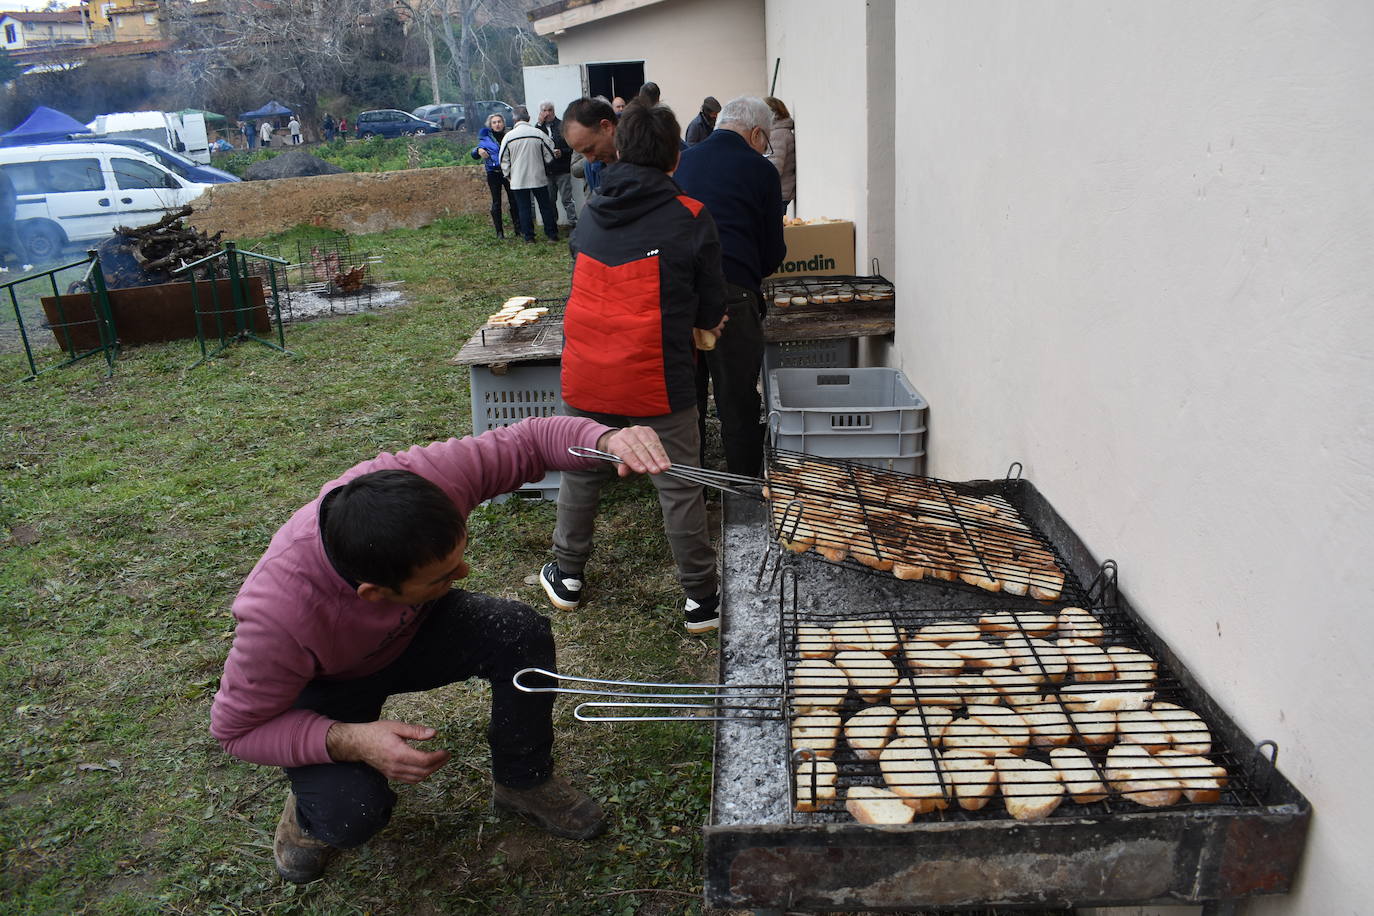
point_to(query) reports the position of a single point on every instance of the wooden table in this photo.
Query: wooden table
(544, 339)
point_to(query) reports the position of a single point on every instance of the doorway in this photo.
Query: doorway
(619, 78)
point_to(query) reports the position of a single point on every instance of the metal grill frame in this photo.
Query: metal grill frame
(532, 333)
(1212, 854)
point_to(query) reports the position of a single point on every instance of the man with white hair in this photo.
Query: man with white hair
(729, 174)
(560, 179)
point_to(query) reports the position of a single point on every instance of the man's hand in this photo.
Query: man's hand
(638, 449)
(382, 745)
(720, 328)
(484, 154)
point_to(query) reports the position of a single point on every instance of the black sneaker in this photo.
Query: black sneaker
(702, 616)
(564, 591)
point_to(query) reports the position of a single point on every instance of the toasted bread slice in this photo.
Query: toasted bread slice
(814, 641)
(815, 781)
(874, 805)
(1079, 776)
(937, 690)
(974, 735)
(1030, 789)
(817, 731)
(1076, 623)
(932, 658)
(1017, 623)
(871, 674)
(1142, 727)
(973, 777)
(817, 683)
(1016, 687)
(1046, 584)
(869, 730)
(1094, 727)
(1006, 721)
(978, 653)
(948, 631)
(1201, 779)
(1111, 696)
(927, 723)
(1141, 777)
(1048, 723)
(1037, 657)
(1187, 732)
(910, 769)
(1087, 660)
(1132, 665)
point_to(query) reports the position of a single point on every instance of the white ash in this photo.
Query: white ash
(300, 304)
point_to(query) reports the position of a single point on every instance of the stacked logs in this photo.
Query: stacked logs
(145, 255)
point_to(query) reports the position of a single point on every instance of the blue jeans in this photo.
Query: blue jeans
(524, 213)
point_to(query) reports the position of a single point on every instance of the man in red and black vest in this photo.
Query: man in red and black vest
(646, 272)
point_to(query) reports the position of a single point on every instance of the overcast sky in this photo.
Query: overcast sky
(28, 4)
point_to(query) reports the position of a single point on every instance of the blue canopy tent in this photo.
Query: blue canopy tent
(270, 110)
(43, 126)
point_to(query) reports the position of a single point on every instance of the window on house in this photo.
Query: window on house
(11, 35)
(148, 19)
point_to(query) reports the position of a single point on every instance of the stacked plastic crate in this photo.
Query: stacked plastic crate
(529, 389)
(870, 416)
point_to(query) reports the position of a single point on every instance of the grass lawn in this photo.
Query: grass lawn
(131, 508)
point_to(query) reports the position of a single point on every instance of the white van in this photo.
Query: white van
(181, 133)
(79, 192)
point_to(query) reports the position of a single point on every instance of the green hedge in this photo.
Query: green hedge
(375, 154)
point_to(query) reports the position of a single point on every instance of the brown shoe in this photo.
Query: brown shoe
(556, 806)
(300, 858)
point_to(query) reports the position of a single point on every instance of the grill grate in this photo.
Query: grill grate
(811, 290)
(938, 703)
(534, 333)
(914, 528)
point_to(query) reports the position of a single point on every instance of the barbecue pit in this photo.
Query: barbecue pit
(761, 852)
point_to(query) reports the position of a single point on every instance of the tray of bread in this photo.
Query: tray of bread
(995, 713)
(828, 291)
(521, 311)
(911, 527)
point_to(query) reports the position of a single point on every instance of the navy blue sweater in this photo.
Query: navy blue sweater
(742, 191)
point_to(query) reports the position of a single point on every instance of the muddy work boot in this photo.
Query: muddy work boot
(300, 858)
(556, 806)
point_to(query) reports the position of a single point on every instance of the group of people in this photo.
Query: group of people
(353, 602)
(262, 132)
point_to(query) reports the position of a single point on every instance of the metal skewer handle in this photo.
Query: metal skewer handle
(721, 701)
(720, 480)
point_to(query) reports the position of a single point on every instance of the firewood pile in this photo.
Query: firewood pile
(144, 255)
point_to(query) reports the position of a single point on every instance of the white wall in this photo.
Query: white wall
(1136, 253)
(691, 48)
(840, 97)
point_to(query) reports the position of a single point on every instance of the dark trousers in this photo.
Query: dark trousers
(525, 213)
(732, 370)
(496, 183)
(465, 635)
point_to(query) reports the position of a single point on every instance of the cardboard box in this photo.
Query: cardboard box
(818, 248)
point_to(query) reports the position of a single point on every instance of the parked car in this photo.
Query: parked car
(488, 107)
(448, 115)
(191, 171)
(392, 122)
(77, 192)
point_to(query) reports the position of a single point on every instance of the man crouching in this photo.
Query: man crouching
(353, 602)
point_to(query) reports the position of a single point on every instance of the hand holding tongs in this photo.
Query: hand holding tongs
(720, 480)
(719, 703)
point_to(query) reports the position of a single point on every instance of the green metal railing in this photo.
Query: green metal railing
(63, 327)
(240, 305)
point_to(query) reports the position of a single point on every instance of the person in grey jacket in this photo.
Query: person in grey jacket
(525, 154)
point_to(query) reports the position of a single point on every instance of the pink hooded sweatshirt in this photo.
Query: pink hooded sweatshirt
(298, 619)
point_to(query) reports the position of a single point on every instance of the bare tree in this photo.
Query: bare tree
(289, 50)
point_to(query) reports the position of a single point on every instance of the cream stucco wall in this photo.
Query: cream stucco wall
(691, 48)
(1134, 252)
(841, 98)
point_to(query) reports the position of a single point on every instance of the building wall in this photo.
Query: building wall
(1134, 253)
(841, 100)
(691, 48)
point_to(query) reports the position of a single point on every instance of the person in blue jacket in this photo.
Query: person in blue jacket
(488, 149)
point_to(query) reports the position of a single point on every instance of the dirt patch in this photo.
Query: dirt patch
(355, 202)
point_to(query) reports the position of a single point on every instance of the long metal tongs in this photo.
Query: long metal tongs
(719, 703)
(720, 480)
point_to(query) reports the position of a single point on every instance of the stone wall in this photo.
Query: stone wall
(355, 202)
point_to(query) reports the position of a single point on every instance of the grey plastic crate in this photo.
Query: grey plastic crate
(871, 416)
(532, 389)
(830, 353)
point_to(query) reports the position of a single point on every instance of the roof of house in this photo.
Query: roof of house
(565, 14)
(72, 16)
